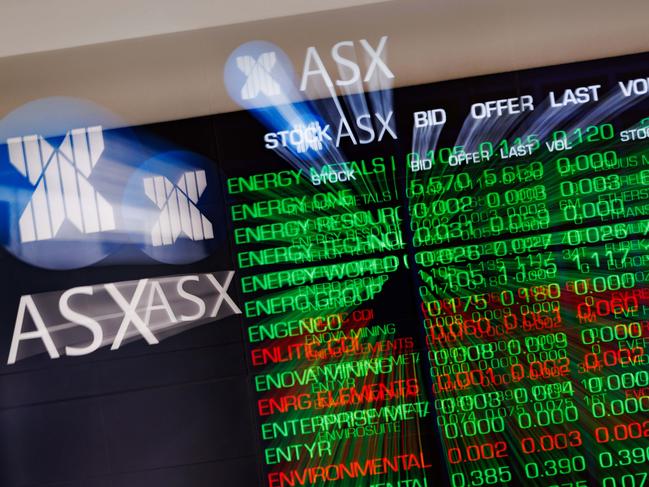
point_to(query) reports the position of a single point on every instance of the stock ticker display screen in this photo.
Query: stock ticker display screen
(438, 285)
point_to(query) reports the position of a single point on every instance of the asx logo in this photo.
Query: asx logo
(178, 211)
(62, 189)
(343, 54)
(68, 207)
(259, 73)
(170, 207)
(81, 320)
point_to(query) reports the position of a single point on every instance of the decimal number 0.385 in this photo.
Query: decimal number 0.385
(477, 478)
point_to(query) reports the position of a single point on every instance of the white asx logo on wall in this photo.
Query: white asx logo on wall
(62, 189)
(179, 214)
(80, 320)
(171, 207)
(258, 75)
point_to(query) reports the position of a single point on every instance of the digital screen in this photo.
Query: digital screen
(437, 285)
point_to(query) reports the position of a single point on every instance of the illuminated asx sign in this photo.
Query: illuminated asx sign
(62, 190)
(259, 75)
(73, 199)
(179, 213)
(83, 319)
(64, 206)
(313, 65)
(79, 321)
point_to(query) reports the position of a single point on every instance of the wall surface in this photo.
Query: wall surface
(180, 75)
